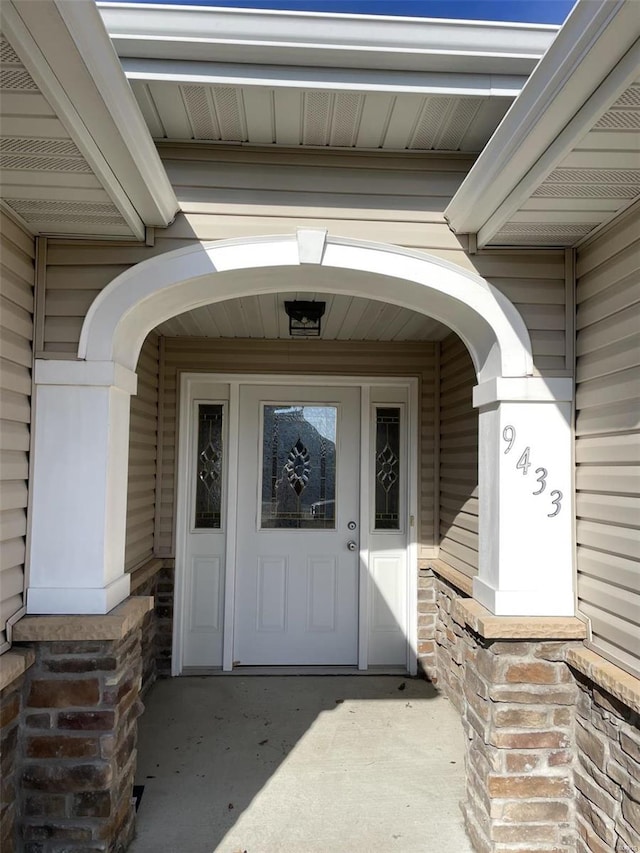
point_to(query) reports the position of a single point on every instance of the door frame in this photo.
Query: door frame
(183, 502)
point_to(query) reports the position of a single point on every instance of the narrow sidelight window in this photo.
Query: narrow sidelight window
(208, 513)
(387, 468)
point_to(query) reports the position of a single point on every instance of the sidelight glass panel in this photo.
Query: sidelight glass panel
(208, 512)
(387, 470)
(299, 467)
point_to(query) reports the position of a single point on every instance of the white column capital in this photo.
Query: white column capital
(523, 389)
(84, 373)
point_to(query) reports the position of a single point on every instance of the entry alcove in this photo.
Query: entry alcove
(360, 339)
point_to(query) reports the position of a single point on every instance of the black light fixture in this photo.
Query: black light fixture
(304, 318)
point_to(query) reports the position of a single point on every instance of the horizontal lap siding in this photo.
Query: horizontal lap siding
(608, 440)
(299, 357)
(143, 452)
(239, 193)
(458, 459)
(16, 335)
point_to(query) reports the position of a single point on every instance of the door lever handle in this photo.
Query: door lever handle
(352, 546)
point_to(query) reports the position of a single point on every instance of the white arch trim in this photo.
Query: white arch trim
(152, 291)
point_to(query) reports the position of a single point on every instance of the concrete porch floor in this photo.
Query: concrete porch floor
(302, 764)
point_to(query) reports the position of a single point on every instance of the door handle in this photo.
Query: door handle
(352, 546)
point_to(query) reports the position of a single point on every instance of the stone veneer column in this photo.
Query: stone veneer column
(79, 730)
(509, 678)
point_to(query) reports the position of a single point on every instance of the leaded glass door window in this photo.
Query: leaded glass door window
(209, 467)
(299, 467)
(387, 468)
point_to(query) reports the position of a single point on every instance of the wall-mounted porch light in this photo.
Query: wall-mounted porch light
(304, 318)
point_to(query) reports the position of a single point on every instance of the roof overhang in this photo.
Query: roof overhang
(72, 96)
(566, 157)
(301, 78)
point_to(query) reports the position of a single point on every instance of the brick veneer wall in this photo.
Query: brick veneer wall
(164, 618)
(427, 624)
(10, 710)
(607, 772)
(157, 626)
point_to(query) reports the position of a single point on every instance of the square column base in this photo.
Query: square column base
(74, 600)
(524, 602)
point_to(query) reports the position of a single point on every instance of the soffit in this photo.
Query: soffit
(594, 183)
(566, 159)
(305, 79)
(318, 117)
(77, 157)
(46, 180)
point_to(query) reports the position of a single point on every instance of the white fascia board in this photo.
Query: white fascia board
(594, 39)
(326, 79)
(66, 49)
(321, 39)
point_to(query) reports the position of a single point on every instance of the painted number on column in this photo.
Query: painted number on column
(556, 502)
(523, 464)
(542, 479)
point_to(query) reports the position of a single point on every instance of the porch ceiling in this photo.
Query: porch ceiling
(347, 318)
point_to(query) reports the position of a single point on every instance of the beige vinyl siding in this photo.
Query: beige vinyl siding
(458, 458)
(16, 335)
(143, 451)
(608, 440)
(388, 198)
(299, 357)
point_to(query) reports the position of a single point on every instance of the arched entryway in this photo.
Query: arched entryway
(82, 427)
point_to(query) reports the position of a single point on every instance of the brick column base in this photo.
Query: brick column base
(79, 730)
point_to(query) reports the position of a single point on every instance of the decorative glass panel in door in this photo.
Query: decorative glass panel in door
(387, 469)
(299, 467)
(209, 467)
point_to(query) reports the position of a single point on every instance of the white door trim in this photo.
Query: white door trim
(234, 381)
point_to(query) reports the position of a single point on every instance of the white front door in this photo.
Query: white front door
(297, 554)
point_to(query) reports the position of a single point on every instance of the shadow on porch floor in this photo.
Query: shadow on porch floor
(299, 764)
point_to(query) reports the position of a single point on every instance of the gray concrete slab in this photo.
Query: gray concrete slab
(299, 764)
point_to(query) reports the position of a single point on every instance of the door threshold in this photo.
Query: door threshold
(295, 670)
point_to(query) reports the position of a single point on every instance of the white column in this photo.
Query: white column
(525, 486)
(79, 487)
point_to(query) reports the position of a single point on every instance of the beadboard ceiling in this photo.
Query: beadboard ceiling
(346, 318)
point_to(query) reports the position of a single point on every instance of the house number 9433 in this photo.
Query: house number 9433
(523, 464)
